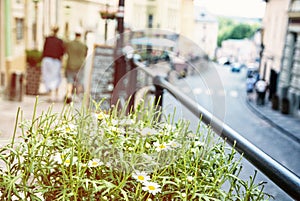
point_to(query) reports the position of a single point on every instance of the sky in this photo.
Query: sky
(236, 8)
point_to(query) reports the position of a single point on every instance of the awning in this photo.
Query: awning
(157, 42)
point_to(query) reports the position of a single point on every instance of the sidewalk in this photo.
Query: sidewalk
(287, 124)
(9, 109)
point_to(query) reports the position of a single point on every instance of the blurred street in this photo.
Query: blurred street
(276, 134)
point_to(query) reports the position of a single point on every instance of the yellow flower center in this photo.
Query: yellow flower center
(141, 177)
(162, 146)
(94, 163)
(152, 188)
(100, 116)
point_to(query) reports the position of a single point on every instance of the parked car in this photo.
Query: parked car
(235, 67)
(224, 61)
(252, 71)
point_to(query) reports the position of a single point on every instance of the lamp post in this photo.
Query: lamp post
(67, 10)
(107, 15)
(262, 47)
(120, 65)
(35, 23)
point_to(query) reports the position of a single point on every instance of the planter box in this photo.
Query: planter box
(285, 106)
(33, 78)
(275, 102)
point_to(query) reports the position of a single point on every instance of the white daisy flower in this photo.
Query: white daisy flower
(114, 122)
(189, 178)
(70, 128)
(152, 187)
(169, 127)
(199, 144)
(141, 176)
(94, 163)
(108, 164)
(60, 157)
(147, 145)
(191, 136)
(116, 129)
(126, 122)
(101, 116)
(57, 158)
(148, 131)
(173, 144)
(161, 146)
(130, 148)
(69, 161)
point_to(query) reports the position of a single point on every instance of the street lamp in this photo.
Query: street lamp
(35, 23)
(106, 14)
(262, 47)
(120, 65)
(67, 10)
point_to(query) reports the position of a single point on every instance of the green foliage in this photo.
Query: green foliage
(33, 57)
(229, 29)
(108, 155)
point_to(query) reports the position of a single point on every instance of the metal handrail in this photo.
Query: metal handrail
(280, 175)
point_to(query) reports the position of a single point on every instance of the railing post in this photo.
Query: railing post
(131, 88)
(159, 90)
(120, 65)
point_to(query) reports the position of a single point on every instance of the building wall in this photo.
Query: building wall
(12, 32)
(205, 31)
(135, 14)
(292, 44)
(282, 49)
(241, 51)
(2, 46)
(275, 24)
(165, 14)
(187, 19)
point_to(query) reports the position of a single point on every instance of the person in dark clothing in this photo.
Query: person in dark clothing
(53, 52)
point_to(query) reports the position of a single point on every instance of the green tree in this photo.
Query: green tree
(241, 31)
(229, 29)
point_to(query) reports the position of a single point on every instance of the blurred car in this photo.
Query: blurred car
(236, 67)
(224, 61)
(253, 71)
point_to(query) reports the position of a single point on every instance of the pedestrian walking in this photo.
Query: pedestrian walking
(261, 87)
(53, 52)
(250, 85)
(76, 51)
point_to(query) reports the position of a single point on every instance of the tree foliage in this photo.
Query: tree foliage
(229, 29)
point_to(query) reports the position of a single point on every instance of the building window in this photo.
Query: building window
(19, 29)
(150, 21)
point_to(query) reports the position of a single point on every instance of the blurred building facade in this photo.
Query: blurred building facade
(280, 63)
(243, 51)
(12, 37)
(25, 24)
(205, 32)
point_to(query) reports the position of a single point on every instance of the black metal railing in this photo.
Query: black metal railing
(280, 175)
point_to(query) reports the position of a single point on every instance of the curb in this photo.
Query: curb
(271, 122)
